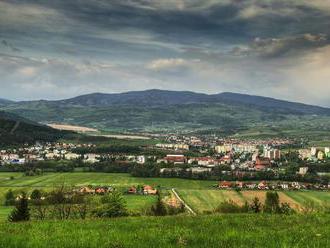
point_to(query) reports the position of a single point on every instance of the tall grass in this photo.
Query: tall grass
(179, 231)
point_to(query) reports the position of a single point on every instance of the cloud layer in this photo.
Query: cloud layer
(59, 49)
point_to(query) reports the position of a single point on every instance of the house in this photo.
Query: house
(303, 170)
(239, 185)
(175, 159)
(250, 185)
(225, 185)
(226, 159)
(91, 158)
(102, 190)
(295, 185)
(86, 190)
(71, 156)
(263, 185)
(132, 190)
(148, 190)
(284, 186)
(196, 170)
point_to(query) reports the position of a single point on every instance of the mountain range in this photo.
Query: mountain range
(165, 110)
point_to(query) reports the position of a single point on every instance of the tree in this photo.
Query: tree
(22, 211)
(272, 203)
(256, 205)
(9, 198)
(36, 194)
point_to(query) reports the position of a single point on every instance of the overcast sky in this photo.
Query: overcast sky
(62, 48)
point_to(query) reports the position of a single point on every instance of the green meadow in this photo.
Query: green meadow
(177, 231)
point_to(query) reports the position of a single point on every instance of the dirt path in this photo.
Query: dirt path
(182, 201)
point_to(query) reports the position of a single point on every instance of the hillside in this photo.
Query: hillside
(155, 110)
(177, 231)
(17, 130)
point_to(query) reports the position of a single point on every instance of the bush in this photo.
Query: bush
(272, 203)
(113, 205)
(230, 207)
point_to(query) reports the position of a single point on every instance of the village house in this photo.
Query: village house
(148, 190)
(225, 185)
(175, 159)
(263, 185)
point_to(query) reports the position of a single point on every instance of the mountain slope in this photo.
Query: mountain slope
(168, 110)
(17, 130)
(4, 102)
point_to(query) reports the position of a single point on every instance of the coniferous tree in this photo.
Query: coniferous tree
(21, 212)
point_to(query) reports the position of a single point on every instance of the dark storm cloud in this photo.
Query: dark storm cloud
(208, 45)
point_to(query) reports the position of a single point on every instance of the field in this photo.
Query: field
(180, 231)
(207, 200)
(72, 128)
(200, 195)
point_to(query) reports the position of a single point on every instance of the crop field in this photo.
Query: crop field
(207, 200)
(179, 231)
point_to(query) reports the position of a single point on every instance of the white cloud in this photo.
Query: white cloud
(160, 64)
(28, 71)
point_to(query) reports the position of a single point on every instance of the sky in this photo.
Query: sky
(63, 48)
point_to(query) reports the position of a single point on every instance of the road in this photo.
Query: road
(183, 202)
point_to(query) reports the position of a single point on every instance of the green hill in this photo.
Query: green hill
(17, 130)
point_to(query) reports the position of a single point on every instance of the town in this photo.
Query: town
(210, 158)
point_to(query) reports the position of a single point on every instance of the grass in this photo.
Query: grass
(180, 231)
(83, 178)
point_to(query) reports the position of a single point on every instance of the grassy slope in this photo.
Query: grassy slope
(202, 231)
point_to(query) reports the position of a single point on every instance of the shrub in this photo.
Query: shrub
(272, 203)
(114, 205)
(256, 205)
(230, 207)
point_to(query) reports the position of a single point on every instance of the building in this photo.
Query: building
(71, 156)
(262, 164)
(223, 148)
(175, 159)
(305, 153)
(313, 151)
(140, 159)
(272, 154)
(302, 170)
